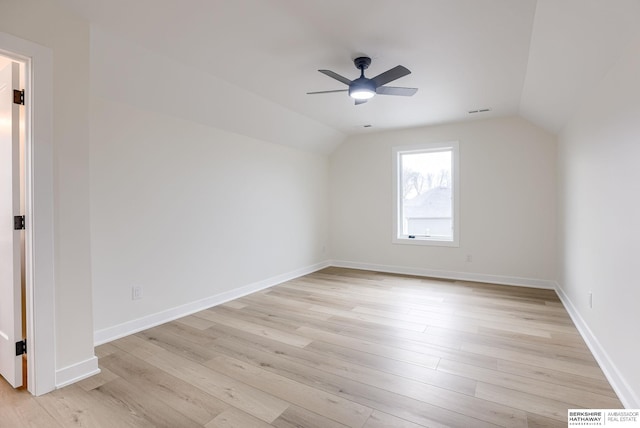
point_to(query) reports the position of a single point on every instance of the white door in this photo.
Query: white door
(10, 296)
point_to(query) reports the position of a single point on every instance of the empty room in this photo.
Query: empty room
(299, 213)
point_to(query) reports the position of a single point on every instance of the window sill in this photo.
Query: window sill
(433, 242)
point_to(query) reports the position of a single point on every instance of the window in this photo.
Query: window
(426, 194)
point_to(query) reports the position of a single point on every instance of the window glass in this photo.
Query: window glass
(426, 199)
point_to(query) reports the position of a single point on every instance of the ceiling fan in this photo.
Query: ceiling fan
(362, 88)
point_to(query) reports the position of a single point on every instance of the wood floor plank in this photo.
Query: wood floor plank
(266, 320)
(310, 292)
(305, 298)
(234, 418)
(138, 401)
(297, 417)
(369, 347)
(178, 340)
(341, 410)
(573, 367)
(538, 421)
(227, 389)
(596, 385)
(579, 397)
(376, 319)
(75, 407)
(402, 350)
(194, 322)
(384, 420)
(382, 314)
(364, 330)
(275, 302)
(254, 328)
(173, 392)
(19, 409)
(234, 304)
(539, 346)
(104, 350)
(533, 313)
(542, 406)
(93, 382)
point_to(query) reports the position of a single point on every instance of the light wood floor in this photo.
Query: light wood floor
(340, 348)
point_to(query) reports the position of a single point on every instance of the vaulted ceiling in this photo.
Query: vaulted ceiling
(526, 57)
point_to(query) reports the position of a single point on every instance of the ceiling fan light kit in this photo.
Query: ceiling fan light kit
(363, 88)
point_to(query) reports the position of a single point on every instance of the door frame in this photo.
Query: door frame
(39, 215)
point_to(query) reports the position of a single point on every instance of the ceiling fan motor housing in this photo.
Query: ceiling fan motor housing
(362, 62)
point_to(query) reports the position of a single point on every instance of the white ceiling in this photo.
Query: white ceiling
(527, 57)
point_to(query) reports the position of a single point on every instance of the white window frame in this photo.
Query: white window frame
(398, 237)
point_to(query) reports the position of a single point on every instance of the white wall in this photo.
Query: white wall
(45, 23)
(181, 207)
(599, 212)
(507, 203)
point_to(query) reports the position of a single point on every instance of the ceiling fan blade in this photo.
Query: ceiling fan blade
(390, 75)
(327, 92)
(393, 90)
(360, 101)
(336, 76)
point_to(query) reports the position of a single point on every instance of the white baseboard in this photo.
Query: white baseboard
(77, 372)
(134, 326)
(625, 392)
(461, 276)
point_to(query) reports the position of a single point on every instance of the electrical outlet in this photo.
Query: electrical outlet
(469, 258)
(136, 292)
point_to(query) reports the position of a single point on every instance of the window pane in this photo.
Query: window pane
(427, 205)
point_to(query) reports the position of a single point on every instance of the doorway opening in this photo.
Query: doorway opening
(35, 295)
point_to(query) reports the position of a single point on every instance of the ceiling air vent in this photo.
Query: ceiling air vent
(482, 110)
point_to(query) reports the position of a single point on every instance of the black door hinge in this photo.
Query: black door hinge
(18, 96)
(18, 222)
(21, 347)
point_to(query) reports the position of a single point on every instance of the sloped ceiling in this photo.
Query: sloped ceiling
(573, 45)
(527, 57)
